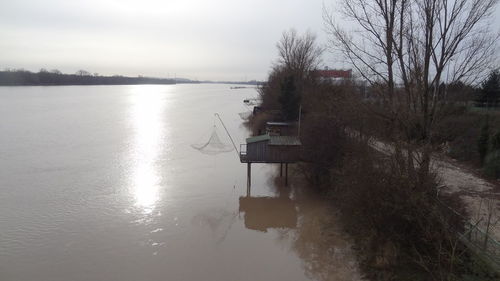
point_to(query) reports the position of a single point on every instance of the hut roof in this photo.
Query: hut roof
(258, 138)
(284, 140)
(276, 140)
(279, 124)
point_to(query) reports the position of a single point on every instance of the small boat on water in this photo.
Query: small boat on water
(254, 101)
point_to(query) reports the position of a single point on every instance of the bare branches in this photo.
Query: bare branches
(365, 48)
(299, 54)
(413, 47)
(424, 37)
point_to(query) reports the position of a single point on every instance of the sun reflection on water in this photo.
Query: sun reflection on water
(147, 121)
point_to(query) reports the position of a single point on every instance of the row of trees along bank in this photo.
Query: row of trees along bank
(405, 51)
(81, 77)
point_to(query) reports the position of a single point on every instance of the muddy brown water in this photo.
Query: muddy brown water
(101, 183)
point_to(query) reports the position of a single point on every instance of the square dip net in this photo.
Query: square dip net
(213, 145)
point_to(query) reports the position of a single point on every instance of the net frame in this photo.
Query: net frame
(214, 145)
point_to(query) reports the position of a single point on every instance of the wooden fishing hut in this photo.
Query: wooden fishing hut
(270, 149)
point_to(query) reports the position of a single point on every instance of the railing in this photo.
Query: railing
(480, 241)
(243, 152)
(476, 239)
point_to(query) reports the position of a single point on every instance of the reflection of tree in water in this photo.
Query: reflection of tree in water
(325, 251)
(311, 226)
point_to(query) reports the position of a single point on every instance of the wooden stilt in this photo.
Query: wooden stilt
(286, 174)
(249, 177)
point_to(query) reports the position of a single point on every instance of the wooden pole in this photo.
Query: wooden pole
(228, 134)
(286, 174)
(281, 170)
(249, 177)
(300, 117)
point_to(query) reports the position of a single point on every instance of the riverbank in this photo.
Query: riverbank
(385, 210)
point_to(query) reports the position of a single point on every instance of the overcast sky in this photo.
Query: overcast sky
(197, 39)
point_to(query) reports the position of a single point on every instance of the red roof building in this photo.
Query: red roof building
(334, 73)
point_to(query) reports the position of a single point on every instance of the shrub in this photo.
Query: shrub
(482, 142)
(492, 164)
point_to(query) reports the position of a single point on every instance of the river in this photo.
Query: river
(101, 183)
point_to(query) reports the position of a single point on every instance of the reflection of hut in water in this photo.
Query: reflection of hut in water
(262, 213)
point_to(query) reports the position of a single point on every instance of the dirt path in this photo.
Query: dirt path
(482, 198)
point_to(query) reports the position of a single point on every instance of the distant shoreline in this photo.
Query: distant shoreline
(45, 78)
(83, 78)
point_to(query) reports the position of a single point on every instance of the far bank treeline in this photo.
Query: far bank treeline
(55, 77)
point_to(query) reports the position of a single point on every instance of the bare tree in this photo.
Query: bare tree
(407, 50)
(82, 72)
(299, 54)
